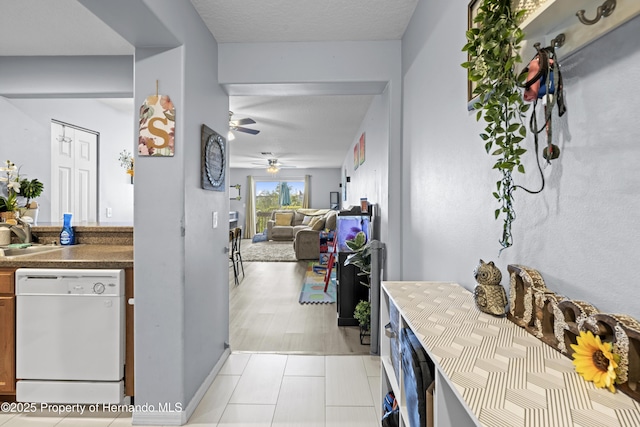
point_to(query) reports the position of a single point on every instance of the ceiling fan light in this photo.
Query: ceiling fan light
(230, 136)
(273, 169)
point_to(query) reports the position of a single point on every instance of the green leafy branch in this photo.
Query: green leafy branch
(493, 46)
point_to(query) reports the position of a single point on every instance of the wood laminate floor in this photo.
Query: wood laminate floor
(265, 315)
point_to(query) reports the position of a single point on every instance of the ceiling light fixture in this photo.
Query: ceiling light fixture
(230, 136)
(273, 166)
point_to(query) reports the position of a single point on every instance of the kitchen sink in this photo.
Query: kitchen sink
(8, 251)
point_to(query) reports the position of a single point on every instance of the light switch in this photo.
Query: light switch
(215, 220)
(109, 212)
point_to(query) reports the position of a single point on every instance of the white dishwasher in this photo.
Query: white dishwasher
(69, 335)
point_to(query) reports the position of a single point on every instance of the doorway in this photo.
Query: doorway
(74, 172)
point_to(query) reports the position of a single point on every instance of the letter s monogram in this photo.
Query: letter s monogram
(159, 132)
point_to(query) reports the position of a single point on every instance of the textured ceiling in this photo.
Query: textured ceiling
(305, 20)
(302, 131)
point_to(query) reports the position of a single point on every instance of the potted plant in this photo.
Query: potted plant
(30, 189)
(361, 258)
(362, 314)
(9, 203)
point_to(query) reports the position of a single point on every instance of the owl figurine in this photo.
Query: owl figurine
(489, 294)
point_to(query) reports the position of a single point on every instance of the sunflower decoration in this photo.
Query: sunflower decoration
(595, 360)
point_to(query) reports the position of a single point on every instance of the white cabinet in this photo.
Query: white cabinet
(489, 371)
(448, 410)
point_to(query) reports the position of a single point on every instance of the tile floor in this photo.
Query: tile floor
(265, 390)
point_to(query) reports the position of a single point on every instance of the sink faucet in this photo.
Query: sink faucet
(23, 232)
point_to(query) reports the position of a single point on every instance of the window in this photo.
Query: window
(276, 194)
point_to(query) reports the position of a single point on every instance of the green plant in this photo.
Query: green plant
(493, 47)
(361, 256)
(362, 314)
(9, 202)
(30, 189)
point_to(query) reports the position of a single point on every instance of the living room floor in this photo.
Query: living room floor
(265, 315)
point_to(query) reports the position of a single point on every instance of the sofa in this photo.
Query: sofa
(302, 226)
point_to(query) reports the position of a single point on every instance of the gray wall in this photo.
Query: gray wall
(182, 293)
(371, 178)
(581, 232)
(323, 181)
(28, 128)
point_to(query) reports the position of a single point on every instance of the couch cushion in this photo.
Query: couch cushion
(297, 228)
(282, 233)
(317, 223)
(283, 218)
(330, 221)
(298, 217)
(306, 220)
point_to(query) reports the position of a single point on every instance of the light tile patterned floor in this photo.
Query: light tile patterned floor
(266, 390)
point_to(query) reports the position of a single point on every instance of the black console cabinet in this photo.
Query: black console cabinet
(349, 291)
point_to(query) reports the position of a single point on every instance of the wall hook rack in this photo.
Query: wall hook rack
(603, 11)
(559, 40)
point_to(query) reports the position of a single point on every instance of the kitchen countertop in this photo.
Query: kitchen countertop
(76, 256)
(93, 226)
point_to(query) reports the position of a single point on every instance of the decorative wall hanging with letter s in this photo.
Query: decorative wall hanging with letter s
(157, 126)
(214, 160)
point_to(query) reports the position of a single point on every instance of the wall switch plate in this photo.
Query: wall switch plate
(109, 212)
(215, 220)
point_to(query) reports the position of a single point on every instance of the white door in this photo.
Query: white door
(74, 166)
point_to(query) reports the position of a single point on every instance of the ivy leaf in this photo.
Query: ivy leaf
(521, 168)
(497, 213)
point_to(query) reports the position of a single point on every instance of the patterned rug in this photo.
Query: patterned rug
(313, 287)
(267, 251)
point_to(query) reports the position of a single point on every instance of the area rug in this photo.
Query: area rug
(267, 251)
(313, 287)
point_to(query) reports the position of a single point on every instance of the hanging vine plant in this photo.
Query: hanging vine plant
(493, 46)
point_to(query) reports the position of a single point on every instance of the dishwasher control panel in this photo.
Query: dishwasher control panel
(37, 281)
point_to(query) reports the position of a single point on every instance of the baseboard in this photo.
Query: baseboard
(179, 418)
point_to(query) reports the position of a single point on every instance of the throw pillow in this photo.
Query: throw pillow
(283, 218)
(317, 225)
(306, 220)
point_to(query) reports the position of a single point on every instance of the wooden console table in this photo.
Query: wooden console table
(489, 371)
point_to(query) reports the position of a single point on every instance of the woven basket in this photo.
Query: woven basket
(4, 216)
(529, 5)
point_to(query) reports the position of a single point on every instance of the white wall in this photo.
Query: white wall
(28, 129)
(323, 181)
(581, 232)
(371, 178)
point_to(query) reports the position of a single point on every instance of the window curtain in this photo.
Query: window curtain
(250, 213)
(307, 185)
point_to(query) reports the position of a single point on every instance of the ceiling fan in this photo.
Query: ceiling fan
(273, 165)
(237, 125)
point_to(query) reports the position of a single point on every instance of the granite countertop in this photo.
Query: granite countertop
(96, 227)
(77, 256)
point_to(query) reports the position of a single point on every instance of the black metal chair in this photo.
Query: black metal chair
(232, 255)
(237, 255)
